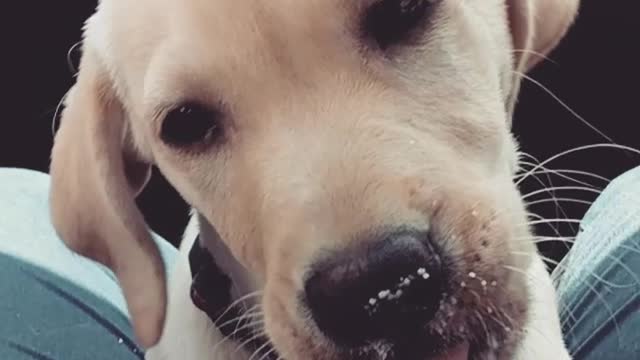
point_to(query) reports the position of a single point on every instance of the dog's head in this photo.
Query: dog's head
(355, 157)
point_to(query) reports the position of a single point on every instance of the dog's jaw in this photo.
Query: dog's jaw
(189, 333)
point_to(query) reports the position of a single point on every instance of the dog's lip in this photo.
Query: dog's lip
(460, 352)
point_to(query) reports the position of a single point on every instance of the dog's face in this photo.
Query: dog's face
(355, 157)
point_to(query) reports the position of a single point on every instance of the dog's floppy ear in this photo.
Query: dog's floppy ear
(95, 176)
(536, 28)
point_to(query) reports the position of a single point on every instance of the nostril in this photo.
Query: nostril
(383, 290)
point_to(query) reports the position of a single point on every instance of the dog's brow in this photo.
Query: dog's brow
(158, 109)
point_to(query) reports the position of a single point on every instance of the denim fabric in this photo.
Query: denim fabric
(599, 284)
(45, 316)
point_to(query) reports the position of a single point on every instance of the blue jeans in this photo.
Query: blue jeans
(57, 305)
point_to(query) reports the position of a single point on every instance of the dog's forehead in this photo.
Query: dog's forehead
(139, 27)
(226, 46)
(205, 36)
(257, 20)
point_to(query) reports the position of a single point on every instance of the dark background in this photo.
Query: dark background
(595, 71)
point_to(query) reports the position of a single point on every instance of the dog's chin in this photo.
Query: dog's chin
(461, 351)
(458, 352)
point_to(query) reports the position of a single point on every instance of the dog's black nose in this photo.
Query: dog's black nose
(386, 289)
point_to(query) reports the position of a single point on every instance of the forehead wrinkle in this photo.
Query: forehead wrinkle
(234, 48)
(261, 31)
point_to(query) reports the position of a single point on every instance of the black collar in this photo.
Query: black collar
(211, 293)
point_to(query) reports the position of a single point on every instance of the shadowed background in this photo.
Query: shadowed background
(595, 72)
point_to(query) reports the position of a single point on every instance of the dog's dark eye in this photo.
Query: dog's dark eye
(191, 124)
(390, 22)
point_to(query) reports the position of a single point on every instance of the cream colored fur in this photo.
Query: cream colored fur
(326, 141)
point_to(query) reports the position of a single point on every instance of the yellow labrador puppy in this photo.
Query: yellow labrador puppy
(350, 162)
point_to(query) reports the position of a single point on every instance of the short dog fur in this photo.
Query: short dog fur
(322, 134)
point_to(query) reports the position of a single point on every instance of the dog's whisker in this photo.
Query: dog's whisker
(56, 114)
(560, 200)
(536, 53)
(532, 216)
(70, 64)
(566, 174)
(246, 342)
(483, 323)
(249, 325)
(546, 239)
(243, 317)
(591, 287)
(543, 220)
(267, 354)
(554, 221)
(559, 210)
(565, 105)
(561, 188)
(253, 321)
(493, 313)
(216, 346)
(261, 348)
(537, 217)
(229, 337)
(535, 162)
(520, 271)
(236, 302)
(565, 153)
(540, 332)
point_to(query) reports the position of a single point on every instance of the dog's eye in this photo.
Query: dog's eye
(191, 124)
(390, 22)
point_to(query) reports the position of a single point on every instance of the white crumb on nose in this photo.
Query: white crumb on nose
(384, 294)
(493, 343)
(120, 341)
(472, 275)
(381, 349)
